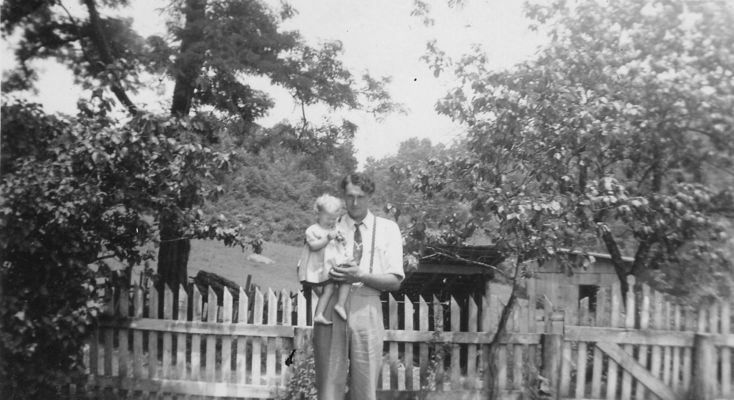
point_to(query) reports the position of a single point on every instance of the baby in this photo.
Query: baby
(324, 249)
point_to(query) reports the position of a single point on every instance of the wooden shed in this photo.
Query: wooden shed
(565, 284)
(443, 276)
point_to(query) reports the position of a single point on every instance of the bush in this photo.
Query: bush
(302, 385)
(78, 192)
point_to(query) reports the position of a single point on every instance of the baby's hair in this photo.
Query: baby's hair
(328, 203)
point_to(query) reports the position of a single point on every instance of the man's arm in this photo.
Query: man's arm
(350, 273)
(388, 281)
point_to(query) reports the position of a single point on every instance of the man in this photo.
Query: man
(354, 346)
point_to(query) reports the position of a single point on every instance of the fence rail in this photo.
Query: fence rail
(204, 345)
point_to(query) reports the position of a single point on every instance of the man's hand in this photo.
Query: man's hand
(348, 272)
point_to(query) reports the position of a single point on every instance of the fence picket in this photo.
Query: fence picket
(272, 344)
(655, 356)
(183, 302)
(227, 308)
(286, 346)
(241, 353)
(613, 322)
(153, 335)
(94, 354)
(629, 323)
(314, 301)
(667, 350)
(644, 324)
(210, 367)
(687, 352)
(520, 350)
(676, 350)
(392, 357)
(301, 309)
(408, 351)
(596, 371)
(583, 316)
(484, 350)
(423, 347)
(123, 334)
(167, 350)
(566, 361)
(726, 376)
(495, 307)
(714, 317)
(438, 324)
(385, 376)
(401, 377)
(471, 352)
(196, 315)
(532, 322)
(455, 368)
(257, 319)
(532, 303)
(137, 334)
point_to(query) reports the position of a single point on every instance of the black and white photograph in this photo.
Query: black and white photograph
(367, 200)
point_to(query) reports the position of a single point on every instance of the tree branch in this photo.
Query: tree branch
(641, 256)
(460, 258)
(98, 38)
(616, 256)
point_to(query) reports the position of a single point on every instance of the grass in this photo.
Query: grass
(233, 263)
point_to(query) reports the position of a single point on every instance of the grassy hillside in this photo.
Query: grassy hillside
(232, 263)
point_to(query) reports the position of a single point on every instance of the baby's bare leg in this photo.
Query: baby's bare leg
(341, 300)
(324, 297)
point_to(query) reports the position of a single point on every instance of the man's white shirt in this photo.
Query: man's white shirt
(388, 244)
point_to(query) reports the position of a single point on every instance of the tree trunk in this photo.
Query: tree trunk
(190, 59)
(619, 264)
(173, 254)
(493, 387)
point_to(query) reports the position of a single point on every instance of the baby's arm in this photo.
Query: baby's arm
(315, 242)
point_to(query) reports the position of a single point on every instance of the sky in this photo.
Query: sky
(380, 37)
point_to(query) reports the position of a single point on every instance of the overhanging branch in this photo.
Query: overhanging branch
(457, 257)
(98, 39)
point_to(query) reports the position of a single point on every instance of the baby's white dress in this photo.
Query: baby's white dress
(314, 266)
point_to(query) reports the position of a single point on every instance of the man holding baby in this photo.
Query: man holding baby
(353, 346)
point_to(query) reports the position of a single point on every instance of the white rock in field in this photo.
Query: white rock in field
(259, 258)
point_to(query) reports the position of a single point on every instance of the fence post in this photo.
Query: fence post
(704, 368)
(551, 345)
(302, 343)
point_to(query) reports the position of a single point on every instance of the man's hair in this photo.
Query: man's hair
(359, 179)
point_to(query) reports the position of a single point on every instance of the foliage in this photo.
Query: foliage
(277, 178)
(425, 220)
(606, 138)
(302, 385)
(210, 50)
(85, 193)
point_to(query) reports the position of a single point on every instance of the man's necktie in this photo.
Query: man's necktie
(357, 252)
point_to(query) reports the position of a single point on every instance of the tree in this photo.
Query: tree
(276, 179)
(215, 46)
(78, 191)
(624, 113)
(608, 137)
